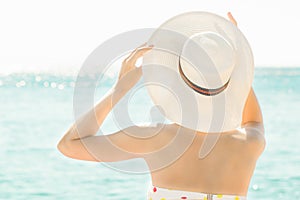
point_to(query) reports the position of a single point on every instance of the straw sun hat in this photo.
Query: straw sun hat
(199, 72)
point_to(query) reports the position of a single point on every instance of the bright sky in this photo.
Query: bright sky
(58, 35)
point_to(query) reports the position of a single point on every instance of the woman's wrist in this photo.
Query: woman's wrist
(128, 81)
(120, 88)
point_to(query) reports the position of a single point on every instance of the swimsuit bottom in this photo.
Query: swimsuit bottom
(157, 193)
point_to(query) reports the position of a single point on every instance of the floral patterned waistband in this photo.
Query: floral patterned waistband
(157, 193)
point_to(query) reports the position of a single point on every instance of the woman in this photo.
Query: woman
(218, 176)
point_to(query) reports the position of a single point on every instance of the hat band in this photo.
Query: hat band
(201, 90)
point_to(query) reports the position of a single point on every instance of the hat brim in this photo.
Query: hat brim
(180, 103)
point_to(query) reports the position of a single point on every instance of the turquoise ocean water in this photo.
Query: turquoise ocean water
(36, 109)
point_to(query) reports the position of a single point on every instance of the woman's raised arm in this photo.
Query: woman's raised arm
(252, 112)
(83, 132)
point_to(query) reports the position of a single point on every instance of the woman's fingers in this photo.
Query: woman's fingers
(231, 18)
(138, 52)
(129, 62)
(141, 51)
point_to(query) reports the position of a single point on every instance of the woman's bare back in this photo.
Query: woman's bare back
(227, 169)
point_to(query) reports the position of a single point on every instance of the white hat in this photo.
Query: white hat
(199, 71)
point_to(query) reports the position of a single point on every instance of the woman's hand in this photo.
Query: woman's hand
(129, 74)
(231, 18)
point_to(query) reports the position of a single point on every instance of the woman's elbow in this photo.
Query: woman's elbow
(62, 147)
